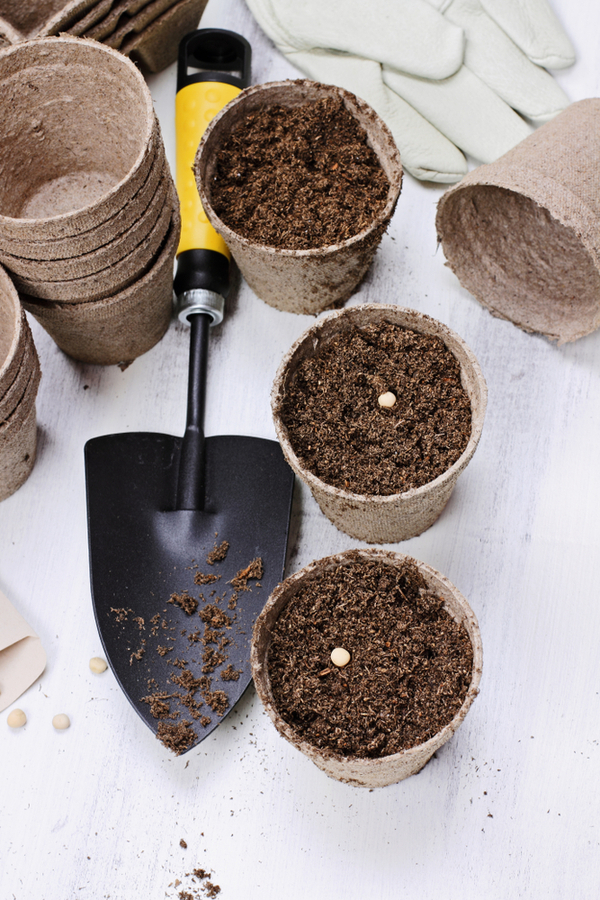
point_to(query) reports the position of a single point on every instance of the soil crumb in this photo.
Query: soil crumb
(177, 736)
(218, 553)
(185, 602)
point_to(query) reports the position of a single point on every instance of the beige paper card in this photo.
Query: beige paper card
(22, 657)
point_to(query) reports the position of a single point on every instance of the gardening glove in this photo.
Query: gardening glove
(443, 74)
(22, 657)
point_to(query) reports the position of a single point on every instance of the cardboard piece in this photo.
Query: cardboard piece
(373, 518)
(22, 657)
(522, 234)
(382, 771)
(300, 281)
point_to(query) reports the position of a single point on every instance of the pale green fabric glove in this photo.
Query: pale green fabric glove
(443, 74)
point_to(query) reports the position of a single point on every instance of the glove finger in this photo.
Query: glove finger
(465, 110)
(424, 152)
(534, 27)
(408, 34)
(495, 58)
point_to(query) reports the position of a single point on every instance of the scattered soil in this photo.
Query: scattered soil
(185, 602)
(339, 431)
(410, 666)
(254, 570)
(218, 554)
(299, 177)
(203, 578)
(176, 736)
(188, 691)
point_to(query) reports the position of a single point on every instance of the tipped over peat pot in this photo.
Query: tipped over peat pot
(522, 233)
(304, 281)
(376, 517)
(424, 639)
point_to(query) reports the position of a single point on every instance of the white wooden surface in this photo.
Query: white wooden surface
(510, 807)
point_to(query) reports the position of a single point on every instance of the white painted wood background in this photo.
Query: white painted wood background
(510, 808)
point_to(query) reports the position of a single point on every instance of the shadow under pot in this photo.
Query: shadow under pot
(378, 409)
(367, 662)
(300, 179)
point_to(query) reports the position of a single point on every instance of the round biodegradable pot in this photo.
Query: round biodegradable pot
(381, 519)
(522, 234)
(106, 281)
(79, 136)
(30, 366)
(125, 221)
(300, 281)
(119, 328)
(114, 251)
(359, 771)
(18, 433)
(13, 333)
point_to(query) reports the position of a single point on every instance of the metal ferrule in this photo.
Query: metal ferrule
(200, 301)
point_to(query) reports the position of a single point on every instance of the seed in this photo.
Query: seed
(61, 721)
(16, 718)
(98, 665)
(387, 400)
(340, 657)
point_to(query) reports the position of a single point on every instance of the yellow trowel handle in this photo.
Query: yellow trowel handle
(195, 105)
(213, 67)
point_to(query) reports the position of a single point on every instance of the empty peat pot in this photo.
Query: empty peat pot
(121, 327)
(522, 233)
(374, 605)
(376, 517)
(80, 137)
(301, 281)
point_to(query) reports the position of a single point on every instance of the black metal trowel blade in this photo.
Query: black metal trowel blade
(143, 550)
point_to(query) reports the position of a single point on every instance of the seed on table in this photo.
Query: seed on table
(61, 721)
(340, 657)
(16, 718)
(386, 400)
(98, 665)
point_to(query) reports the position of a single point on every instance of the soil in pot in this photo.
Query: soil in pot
(298, 178)
(344, 433)
(410, 664)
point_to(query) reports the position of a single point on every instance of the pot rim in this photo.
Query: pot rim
(319, 89)
(86, 46)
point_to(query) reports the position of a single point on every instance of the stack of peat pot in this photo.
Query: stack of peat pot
(89, 215)
(148, 31)
(19, 380)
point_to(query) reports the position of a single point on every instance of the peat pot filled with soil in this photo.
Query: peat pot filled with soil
(367, 662)
(378, 409)
(301, 180)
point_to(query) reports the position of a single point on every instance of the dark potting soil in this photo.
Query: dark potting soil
(410, 662)
(342, 435)
(298, 178)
